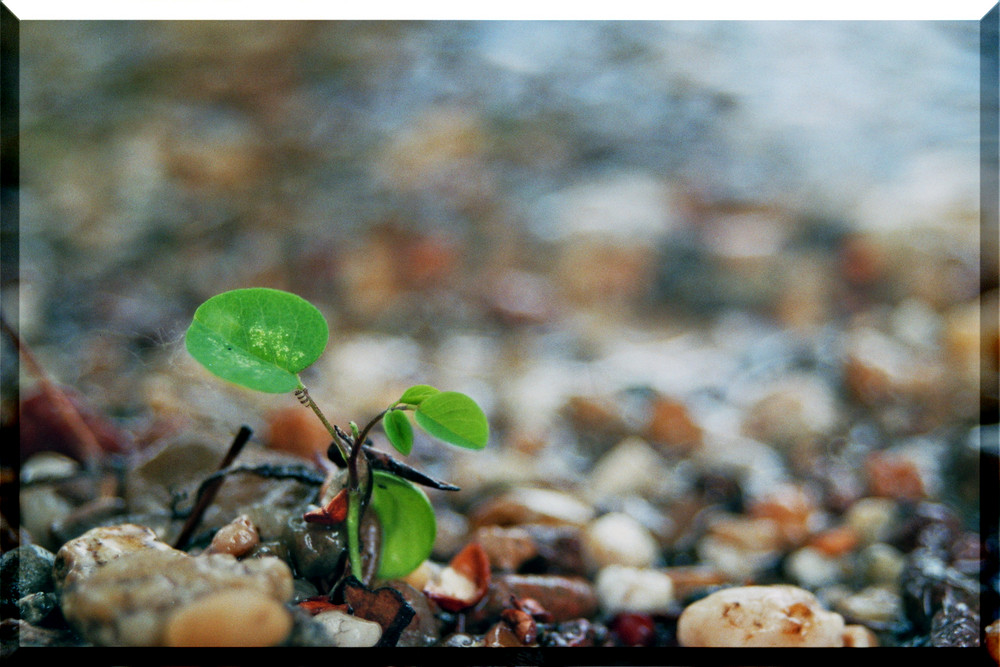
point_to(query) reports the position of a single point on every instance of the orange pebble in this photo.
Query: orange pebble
(296, 431)
(836, 541)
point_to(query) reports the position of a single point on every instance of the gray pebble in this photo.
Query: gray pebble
(36, 607)
(25, 570)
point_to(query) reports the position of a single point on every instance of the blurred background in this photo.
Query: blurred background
(756, 228)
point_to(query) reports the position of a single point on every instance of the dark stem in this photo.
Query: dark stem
(212, 488)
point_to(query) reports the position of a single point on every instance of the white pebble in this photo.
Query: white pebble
(622, 588)
(618, 539)
(812, 569)
(347, 630)
(765, 616)
(871, 518)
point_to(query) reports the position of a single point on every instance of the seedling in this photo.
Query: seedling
(262, 339)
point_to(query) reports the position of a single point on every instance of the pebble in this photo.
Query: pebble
(34, 608)
(618, 539)
(881, 564)
(565, 598)
(741, 547)
(872, 518)
(24, 571)
(507, 548)
(811, 568)
(239, 617)
(314, 551)
(790, 411)
(630, 467)
(41, 507)
(296, 430)
(120, 586)
(993, 640)
(858, 636)
(236, 538)
(633, 589)
(672, 425)
(532, 505)
(347, 630)
(81, 557)
(760, 616)
(48, 466)
(873, 606)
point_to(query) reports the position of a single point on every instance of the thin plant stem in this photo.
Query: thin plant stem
(209, 495)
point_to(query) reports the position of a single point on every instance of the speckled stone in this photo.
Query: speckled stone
(25, 570)
(121, 587)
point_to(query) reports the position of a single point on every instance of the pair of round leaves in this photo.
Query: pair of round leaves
(261, 338)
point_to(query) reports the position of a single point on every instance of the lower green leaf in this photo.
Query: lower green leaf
(408, 524)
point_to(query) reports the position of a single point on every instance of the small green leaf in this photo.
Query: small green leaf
(259, 338)
(397, 428)
(417, 393)
(454, 418)
(408, 525)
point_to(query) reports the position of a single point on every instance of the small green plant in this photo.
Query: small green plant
(262, 339)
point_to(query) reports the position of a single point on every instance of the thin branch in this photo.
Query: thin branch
(206, 498)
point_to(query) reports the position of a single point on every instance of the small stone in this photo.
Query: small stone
(874, 605)
(507, 548)
(741, 547)
(630, 467)
(811, 568)
(993, 640)
(872, 518)
(791, 411)
(236, 538)
(565, 598)
(881, 564)
(315, 551)
(765, 616)
(23, 571)
(858, 636)
(347, 630)
(240, 617)
(532, 505)
(48, 466)
(80, 557)
(41, 508)
(632, 589)
(35, 607)
(672, 425)
(296, 430)
(792, 509)
(618, 539)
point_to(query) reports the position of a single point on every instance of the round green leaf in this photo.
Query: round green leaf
(259, 338)
(417, 393)
(397, 428)
(454, 418)
(408, 525)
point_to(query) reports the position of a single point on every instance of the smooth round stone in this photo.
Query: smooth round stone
(618, 539)
(632, 589)
(240, 617)
(347, 630)
(778, 615)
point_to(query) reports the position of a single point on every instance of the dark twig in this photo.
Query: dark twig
(206, 498)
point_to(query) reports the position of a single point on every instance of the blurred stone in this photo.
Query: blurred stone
(741, 547)
(531, 505)
(507, 548)
(618, 539)
(346, 630)
(240, 617)
(672, 425)
(621, 588)
(296, 430)
(630, 467)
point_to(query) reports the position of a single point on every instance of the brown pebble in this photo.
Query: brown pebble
(236, 538)
(240, 617)
(836, 542)
(565, 598)
(297, 431)
(507, 548)
(993, 640)
(671, 424)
